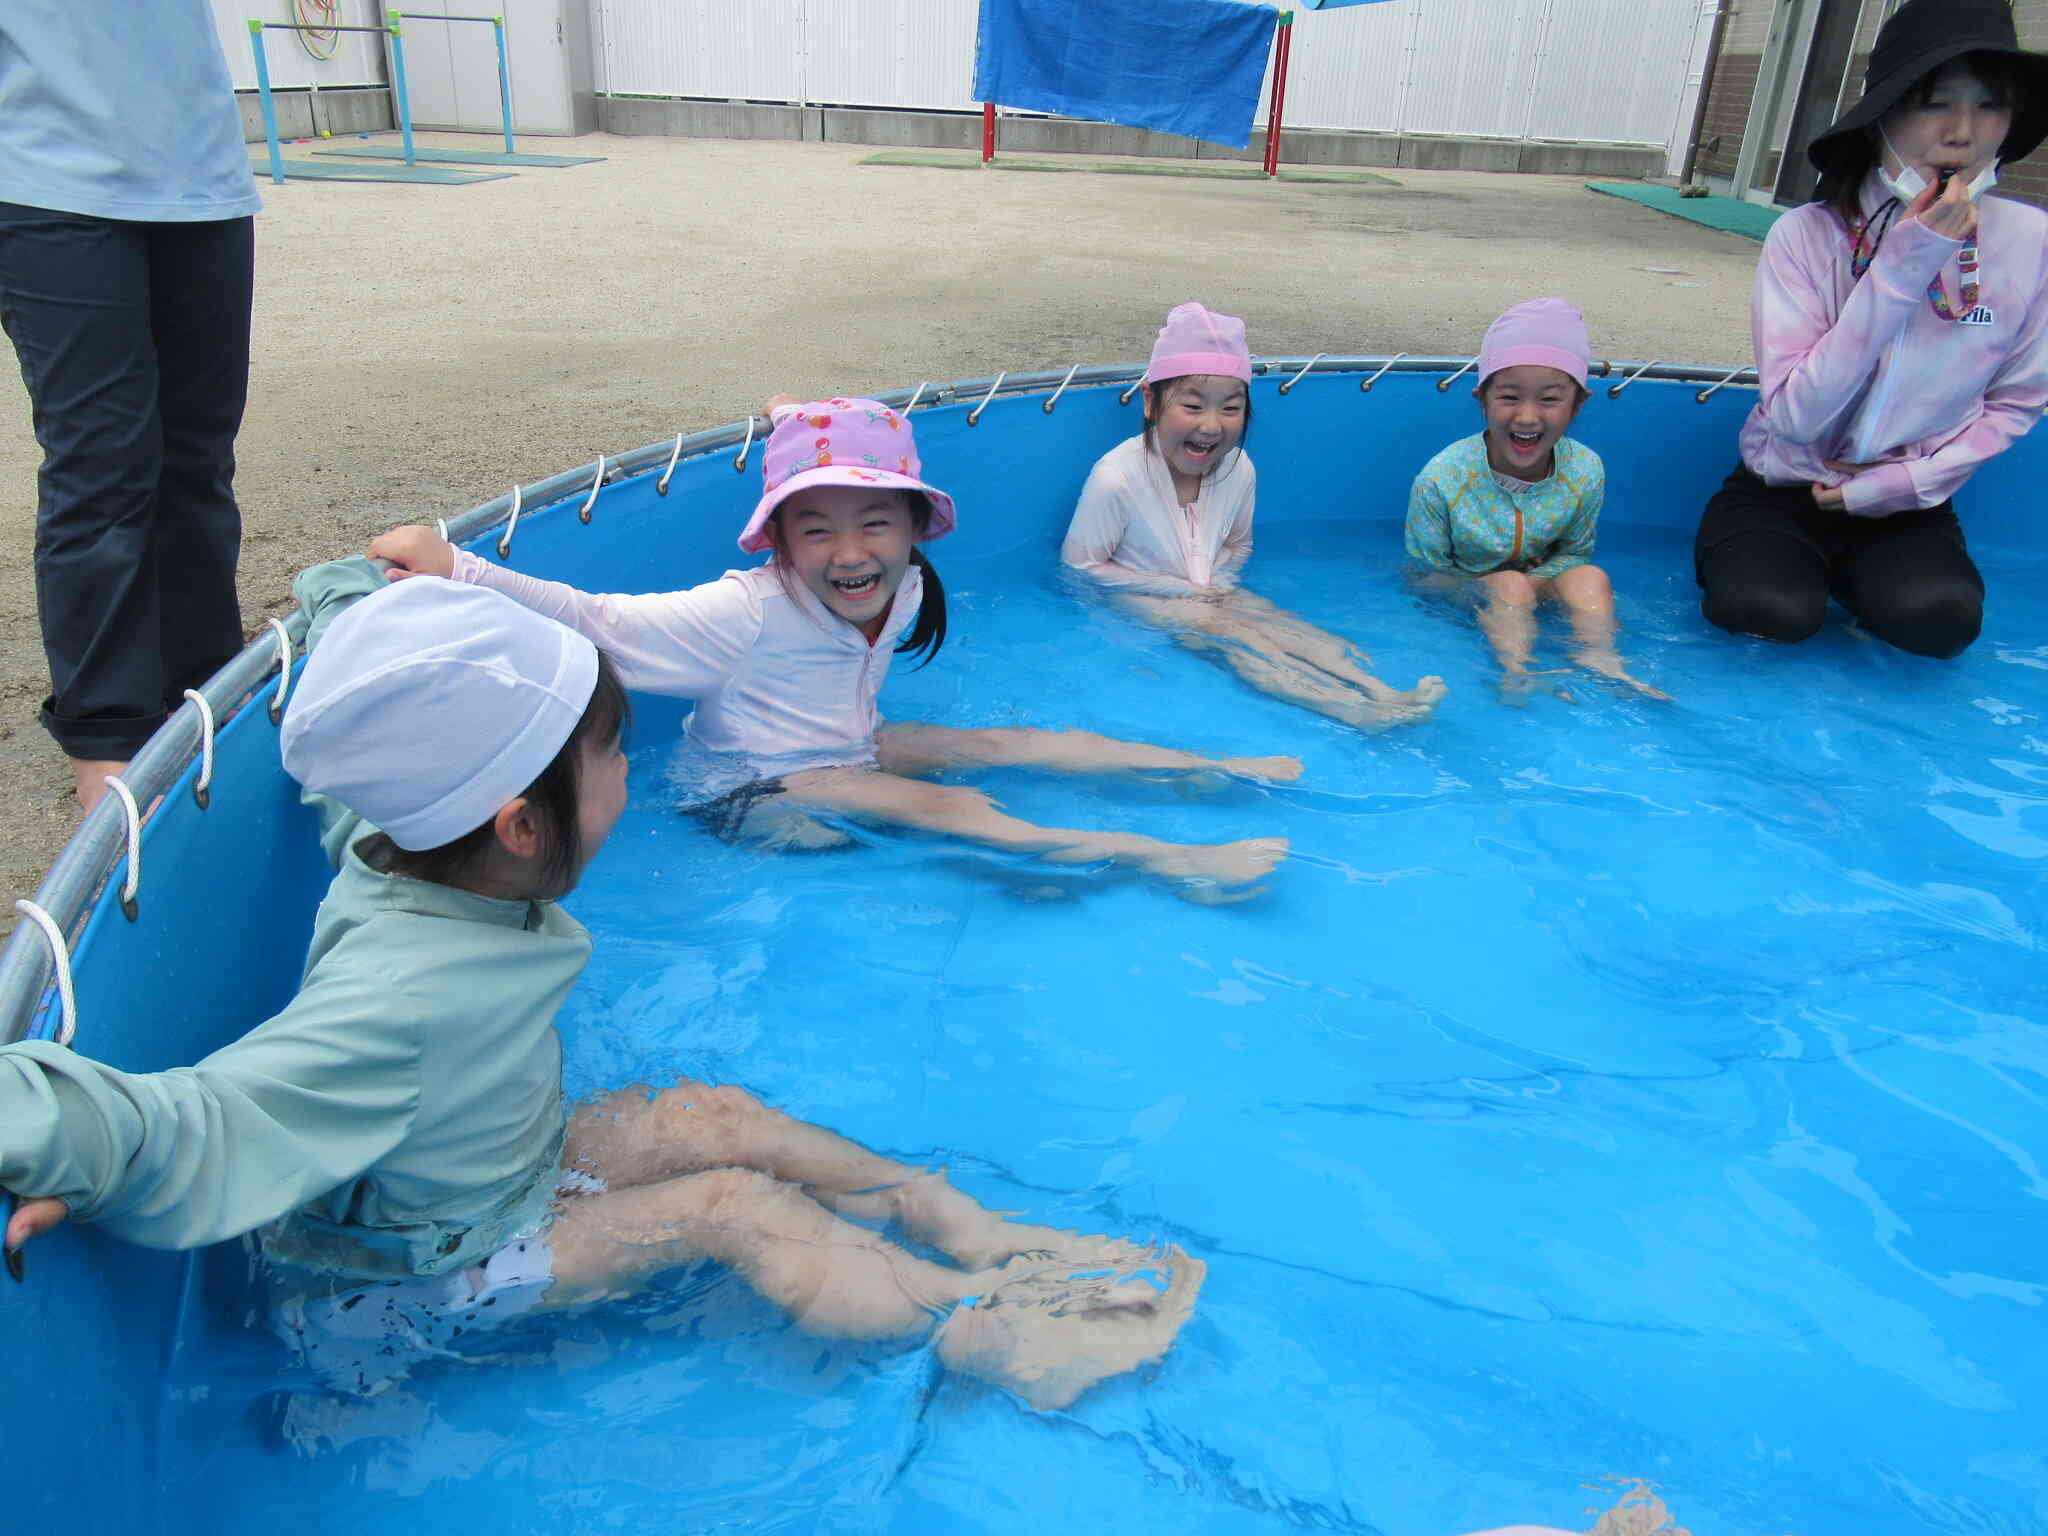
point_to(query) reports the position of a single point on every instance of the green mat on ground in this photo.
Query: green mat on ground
(1730, 215)
(460, 156)
(1222, 171)
(314, 170)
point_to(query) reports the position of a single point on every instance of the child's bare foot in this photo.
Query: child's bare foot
(1281, 770)
(1609, 665)
(1050, 1332)
(1216, 873)
(1517, 687)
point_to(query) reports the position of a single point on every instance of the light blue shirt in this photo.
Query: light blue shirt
(121, 109)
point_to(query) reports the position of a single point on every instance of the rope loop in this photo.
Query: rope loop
(739, 463)
(1288, 386)
(1614, 390)
(133, 881)
(661, 485)
(974, 416)
(1055, 397)
(917, 395)
(596, 485)
(60, 962)
(441, 527)
(1136, 384)
(1365, 385)
(1726, 378)
(1444, 384)
(512, 522)
(283, 637)
(202, 790)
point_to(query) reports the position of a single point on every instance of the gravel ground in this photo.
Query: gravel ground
(419, 348)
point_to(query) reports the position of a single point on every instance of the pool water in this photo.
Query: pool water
(1603, 1091)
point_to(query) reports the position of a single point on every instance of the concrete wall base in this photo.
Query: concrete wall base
(1055, 135)
(344, 109)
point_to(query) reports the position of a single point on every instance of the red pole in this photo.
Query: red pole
(1283, 48)
(988, 132)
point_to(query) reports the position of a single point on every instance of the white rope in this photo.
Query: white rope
(1289, 385)
(974, 416)
(133, 882)
(917, 395)
(661, 485)
(1725, 378)
(1055, 400)
(1614, 391)
(1444, 384)
(200, 789)
(60, 961)
(505, 538)
(596, 485)
(283, 637)
(739, 464)
(1136, 384)
(441, 527)
(1366, 387)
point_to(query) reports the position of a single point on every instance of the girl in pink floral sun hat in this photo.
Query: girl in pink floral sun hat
(786, 659)
(1164, 525)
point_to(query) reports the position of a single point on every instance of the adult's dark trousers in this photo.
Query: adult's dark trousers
(134, 343)
(1768, 559)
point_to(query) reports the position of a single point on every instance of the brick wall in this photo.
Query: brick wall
(2028, 179)
(1727, 111)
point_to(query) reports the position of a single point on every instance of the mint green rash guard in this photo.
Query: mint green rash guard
(1461, 518)
(402, 1116)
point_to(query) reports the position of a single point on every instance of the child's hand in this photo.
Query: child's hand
(32, 1218)
(413, 551)
(776, 403)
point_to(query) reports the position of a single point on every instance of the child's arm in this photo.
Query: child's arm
(199, 1154)
(325, 592)
(1428, 531)
(1574, 543)
(681, 643)
(1237, 543)
(1097, 531)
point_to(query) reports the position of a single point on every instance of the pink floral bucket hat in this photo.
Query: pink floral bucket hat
(840, 442)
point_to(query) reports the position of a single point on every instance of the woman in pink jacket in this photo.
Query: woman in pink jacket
(1901, 329)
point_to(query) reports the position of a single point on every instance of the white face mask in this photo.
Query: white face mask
(1907, 183)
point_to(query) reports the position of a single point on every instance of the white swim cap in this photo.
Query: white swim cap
(428, 705)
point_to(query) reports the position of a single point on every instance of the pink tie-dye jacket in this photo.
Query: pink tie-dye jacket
(1866, 373)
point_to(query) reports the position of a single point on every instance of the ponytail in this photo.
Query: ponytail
(929, 632)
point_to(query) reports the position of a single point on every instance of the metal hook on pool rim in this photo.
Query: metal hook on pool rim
(974, 416)
(661, 485)
(916, 395)
(1728, 377)
(596, 485)
(1288, 386)
(1136, 384)
(202, 790)
(60, 962)
(283, 637)
(739, 463)
(1614, 390)
(1444, 384)
(1365, 385)
(511, 522)
(133, 880)
(1054, 398)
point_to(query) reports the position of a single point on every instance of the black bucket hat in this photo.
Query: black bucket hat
(1920, 37)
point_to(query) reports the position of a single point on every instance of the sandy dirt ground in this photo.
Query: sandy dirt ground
(420, 348)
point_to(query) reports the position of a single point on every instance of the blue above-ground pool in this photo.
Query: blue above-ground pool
(1603, 1093)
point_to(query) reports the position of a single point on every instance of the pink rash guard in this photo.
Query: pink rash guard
(1865, 372)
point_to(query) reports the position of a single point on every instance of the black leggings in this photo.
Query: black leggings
(1769, 559)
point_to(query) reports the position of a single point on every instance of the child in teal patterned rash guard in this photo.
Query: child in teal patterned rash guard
(1509, 513)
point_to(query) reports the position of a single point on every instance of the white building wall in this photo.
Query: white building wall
(358, 57)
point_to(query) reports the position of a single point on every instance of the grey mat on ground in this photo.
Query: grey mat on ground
(461, 156)
(436, 175)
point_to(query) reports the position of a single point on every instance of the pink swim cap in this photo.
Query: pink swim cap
(840, 442)
(1545, 333)
(1198, 340)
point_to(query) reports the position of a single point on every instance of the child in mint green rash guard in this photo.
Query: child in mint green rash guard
(396, 1136)
(1509, 513)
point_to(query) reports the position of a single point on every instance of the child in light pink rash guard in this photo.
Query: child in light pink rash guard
(1164, 527)
(785, 661)
(1901, 329)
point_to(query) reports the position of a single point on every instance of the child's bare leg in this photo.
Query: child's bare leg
(1196, 869)
(634, 1137)
(1588, 599)
(910, 750)
(1292, 637)
(1507, 617)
